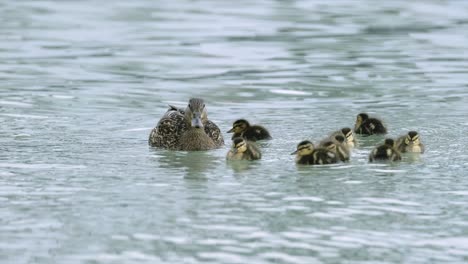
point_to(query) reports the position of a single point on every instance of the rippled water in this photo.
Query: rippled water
(83, 82)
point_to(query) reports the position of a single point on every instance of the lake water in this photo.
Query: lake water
(83, 82)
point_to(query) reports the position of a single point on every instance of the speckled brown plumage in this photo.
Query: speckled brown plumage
(175, 132)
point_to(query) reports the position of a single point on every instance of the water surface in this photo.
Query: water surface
(83, 82)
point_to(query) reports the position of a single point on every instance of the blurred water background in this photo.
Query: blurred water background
(83, 82)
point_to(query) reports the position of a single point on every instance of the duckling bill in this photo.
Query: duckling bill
(242, 128)
(366, 125)
(243, 150)
(410, 143)
(307, 154)
(385, 152)
(188, 129)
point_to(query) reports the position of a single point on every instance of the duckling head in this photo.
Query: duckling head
(361, 118)
(239, 126)
(348, 133)
(340, 139)
(239, 145)
(389, 142)
(412, 138)
(304, 148)
(195, 113)
(330, 146)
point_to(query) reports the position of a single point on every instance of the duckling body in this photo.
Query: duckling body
(187, 129)
(366, 125)
(410, 143)
(242, 128)
(243, 150)
(306, 154)
(336, 145)
(385, 152)
(350, 140)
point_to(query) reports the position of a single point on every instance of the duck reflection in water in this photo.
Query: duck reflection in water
(192, 165)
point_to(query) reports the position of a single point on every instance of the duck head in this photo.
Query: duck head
(239, 145)
(195, 113)
(239, 126)
(348, 133)
(361, 118)
(304, 148)
(412, 138)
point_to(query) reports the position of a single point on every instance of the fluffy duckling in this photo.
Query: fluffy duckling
(350, 140)
(242, 128)
(307, 154)
(410, 143)
(243, 150)
(187, 129)
(368, 125)
(385, 151)
(336, 145)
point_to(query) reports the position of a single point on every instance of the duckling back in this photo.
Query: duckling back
(256, 132)
(323, 156)
(385, 152)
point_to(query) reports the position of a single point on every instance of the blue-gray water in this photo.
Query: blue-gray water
(83, 82)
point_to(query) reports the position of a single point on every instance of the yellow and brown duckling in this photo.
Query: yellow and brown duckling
(410, 143)
(307, 154)
(350, 140)
(337, 146)
(385, 152)
(366, 125)
(242, 128)
(243, 150)
(187, 129)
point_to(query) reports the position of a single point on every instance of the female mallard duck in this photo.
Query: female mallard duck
(410, 143)
(336, 145)
(368, 125)
(385, 151)
(243, 150)
(307, 154)
(242, 128)
(350, 140)
(186, 130)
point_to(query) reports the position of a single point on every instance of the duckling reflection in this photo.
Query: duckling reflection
(243, 150)
(242, 128)
(307, 154)
(337, 146)
(186, 130)
(410, 143)
(350, 140)
(368, 125)
(385, 152)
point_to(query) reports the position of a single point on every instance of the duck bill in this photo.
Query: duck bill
(231, 130)
(196, 121)
(294, 153)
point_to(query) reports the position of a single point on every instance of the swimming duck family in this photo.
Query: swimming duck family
(243, 150)
(188, 129)
(242, 128)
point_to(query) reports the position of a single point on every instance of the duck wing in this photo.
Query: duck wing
(213, 131)
(168, 131)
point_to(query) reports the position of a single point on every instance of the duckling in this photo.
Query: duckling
(350, 140)
(368, 125)
(242, 128)
(385, 151)
(243, 150)
(189, 129)
(410, 143)
(307, 154)
(336, 145)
